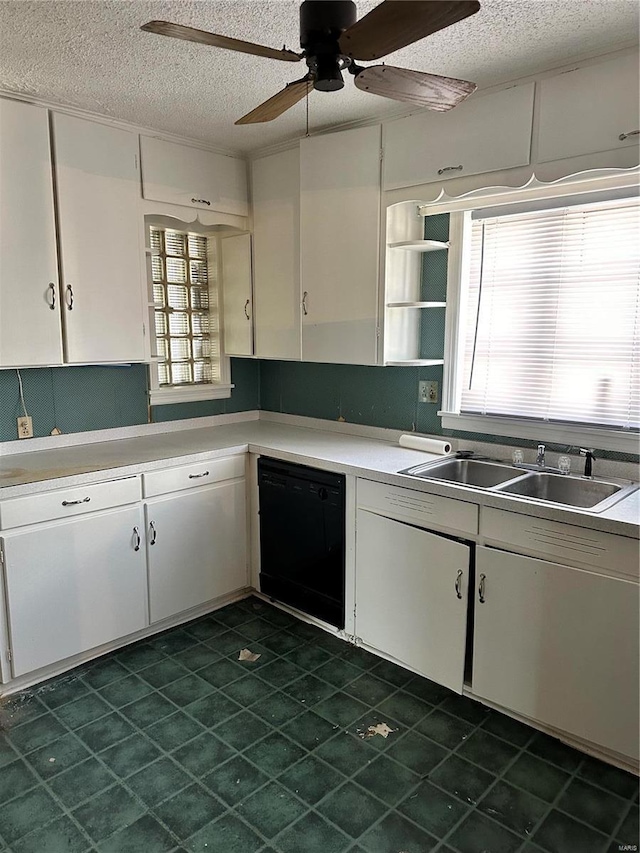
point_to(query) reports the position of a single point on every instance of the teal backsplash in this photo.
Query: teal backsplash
(77, 399)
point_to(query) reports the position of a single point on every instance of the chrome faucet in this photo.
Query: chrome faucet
(540, 456)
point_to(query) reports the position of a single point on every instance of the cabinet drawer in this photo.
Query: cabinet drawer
(418, 507)
(66, 503)
(192, 476)
(564, 542)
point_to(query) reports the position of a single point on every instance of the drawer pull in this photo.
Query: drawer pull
(305, 310)
(481, 589)
(246, 305)
(197, 476)
(70, 297)
(75, 503)
(154, 533)
(52, 291)
(624, 136)
(459, 584)
(136, 539)
(200, 201)
(450, 169)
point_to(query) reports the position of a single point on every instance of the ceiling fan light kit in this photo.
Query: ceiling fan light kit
(332, 39)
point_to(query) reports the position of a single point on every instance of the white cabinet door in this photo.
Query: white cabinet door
(196, 544)
(558, 645)
(98, 187)
(30, 332)
(411, 596)
(236, 294)
(586, 110)
(74, 585)
(339, 239)
(483, 134)
(179, 174)
(276, 255)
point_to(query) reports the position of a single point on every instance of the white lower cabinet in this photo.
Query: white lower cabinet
(558, 645)
(73, 585)
(197, 548)
(411, 596)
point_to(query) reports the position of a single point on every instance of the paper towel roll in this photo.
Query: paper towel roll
(427, 445)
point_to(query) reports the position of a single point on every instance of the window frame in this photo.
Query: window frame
(163, 395)
(620, 440)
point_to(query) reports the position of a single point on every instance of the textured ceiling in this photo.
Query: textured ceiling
(92, 54)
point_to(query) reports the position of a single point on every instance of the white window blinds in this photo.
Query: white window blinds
(553, 316)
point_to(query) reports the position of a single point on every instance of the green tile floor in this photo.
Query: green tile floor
(173, 744)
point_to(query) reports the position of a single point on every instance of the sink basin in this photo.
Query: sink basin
(466, 472)
(570, 491)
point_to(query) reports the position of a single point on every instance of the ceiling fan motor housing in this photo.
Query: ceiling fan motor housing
(322, 22)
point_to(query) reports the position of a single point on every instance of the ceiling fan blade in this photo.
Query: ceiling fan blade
(177, 31)
(414, 87)
(397, 23)
(280, 103)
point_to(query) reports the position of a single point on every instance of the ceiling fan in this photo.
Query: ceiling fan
(332, 39)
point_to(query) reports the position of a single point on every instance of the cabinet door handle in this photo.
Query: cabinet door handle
(459, 583)
(136, 539)
(154, 533)
(75, 503)
(481, 589)
(52, 290)
(200, 201)
(450, 169)
(246, 305)
(305, 296)
(197, 476)
(70, 297)
(624, 136)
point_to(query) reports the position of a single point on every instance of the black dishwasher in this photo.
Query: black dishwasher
(302, 538)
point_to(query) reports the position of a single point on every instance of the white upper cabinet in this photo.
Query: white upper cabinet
(339, 240)
(100, 236)
(589, 109)
(30, 331)
(276, 253)
(483, 134)
(237, 300)
(179, 174)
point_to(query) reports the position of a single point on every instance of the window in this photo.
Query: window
(550, 323)
(187, 324)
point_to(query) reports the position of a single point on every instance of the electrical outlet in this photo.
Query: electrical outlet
(427, 392)
(25, 427)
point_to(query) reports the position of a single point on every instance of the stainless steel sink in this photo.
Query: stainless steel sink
(466, 472)
(569, 491)
(561, 489)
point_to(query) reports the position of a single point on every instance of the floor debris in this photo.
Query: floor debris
(381, 729)
(248, 655)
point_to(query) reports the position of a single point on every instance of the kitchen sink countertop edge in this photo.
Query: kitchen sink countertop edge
(371, 458)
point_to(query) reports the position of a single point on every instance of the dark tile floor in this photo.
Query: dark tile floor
(173, 744)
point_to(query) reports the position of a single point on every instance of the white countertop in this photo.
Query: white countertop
(27, 473)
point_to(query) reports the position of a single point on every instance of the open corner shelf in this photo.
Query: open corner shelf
(415, 362)
(419, 245)
(416, 304)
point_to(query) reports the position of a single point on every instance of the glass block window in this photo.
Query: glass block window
(186, 307)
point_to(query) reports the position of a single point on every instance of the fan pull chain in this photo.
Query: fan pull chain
(307, 109)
